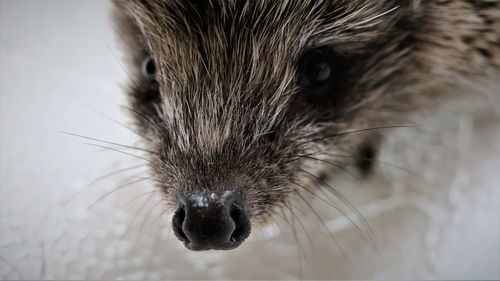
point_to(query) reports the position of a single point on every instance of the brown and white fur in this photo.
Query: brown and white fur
(227, 109)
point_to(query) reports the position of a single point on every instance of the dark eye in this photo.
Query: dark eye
(316, 68)
(149, 70)
(315, 74)
(323, 77)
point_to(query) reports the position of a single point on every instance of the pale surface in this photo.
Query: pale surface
(58, 71)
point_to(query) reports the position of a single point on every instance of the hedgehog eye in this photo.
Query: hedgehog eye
(315, 69)
(316, 73)
(149, 70)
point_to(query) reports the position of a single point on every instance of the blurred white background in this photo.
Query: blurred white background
(60, 71)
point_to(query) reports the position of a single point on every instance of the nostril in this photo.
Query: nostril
(204, 223)
(242, 224)
(177, 222)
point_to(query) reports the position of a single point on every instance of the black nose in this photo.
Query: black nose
(210, 221)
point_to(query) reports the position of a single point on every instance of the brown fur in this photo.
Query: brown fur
(229, 113)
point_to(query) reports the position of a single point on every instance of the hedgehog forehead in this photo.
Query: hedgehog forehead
(226, 47)
(193, 37)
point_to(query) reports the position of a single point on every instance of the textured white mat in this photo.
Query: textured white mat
(436, 215)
